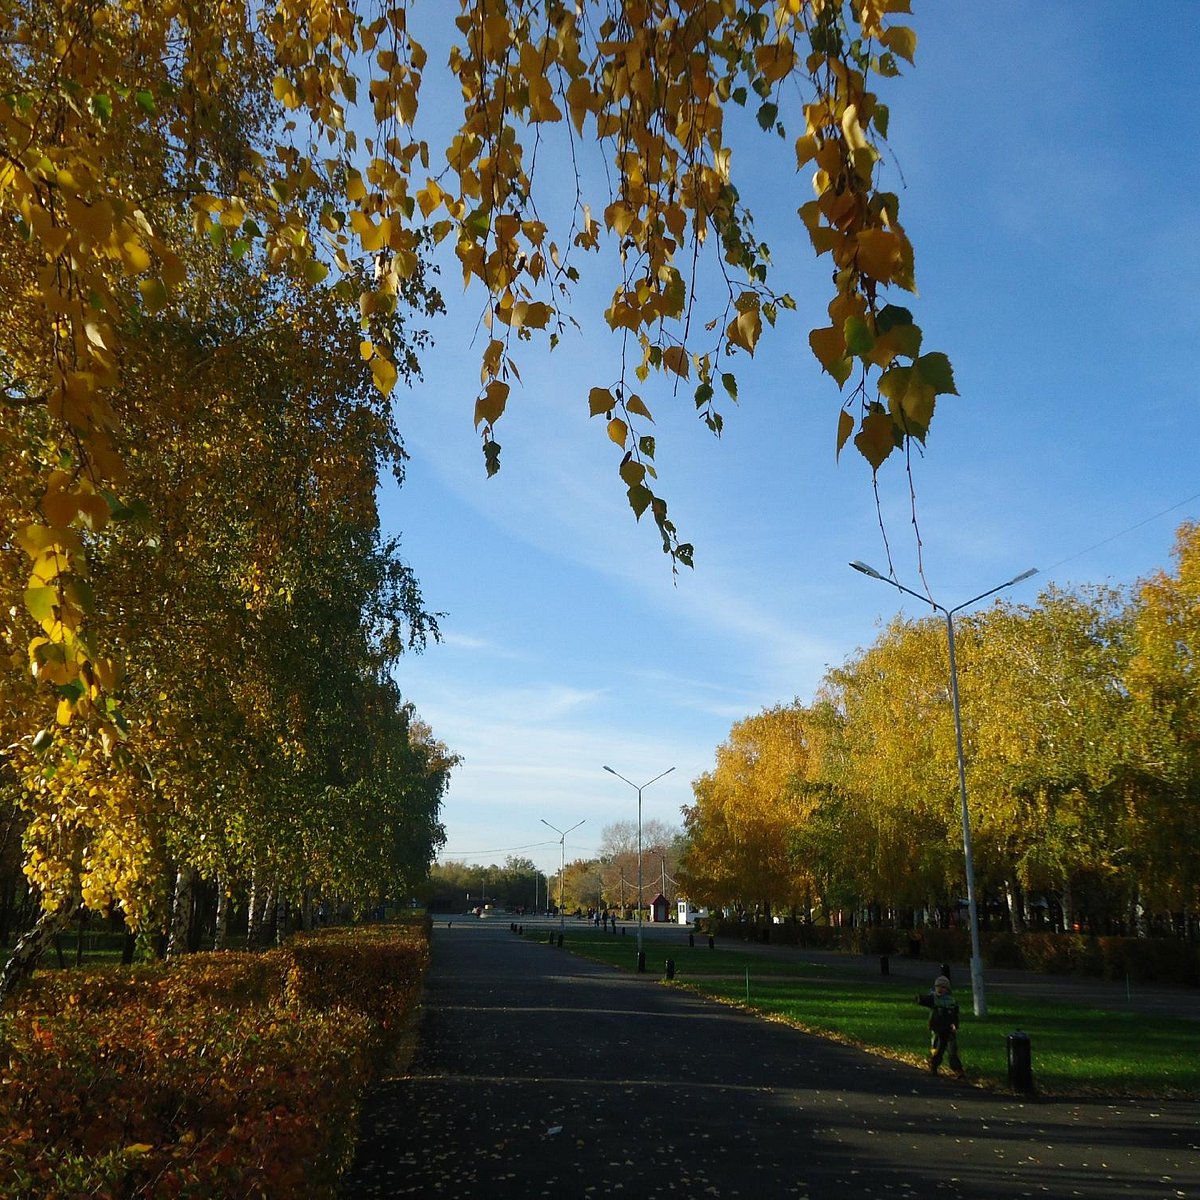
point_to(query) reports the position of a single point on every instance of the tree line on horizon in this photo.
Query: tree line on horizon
(1082, 748)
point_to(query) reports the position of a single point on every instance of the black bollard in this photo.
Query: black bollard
(670, 968)
(520, 930)
(560, 937)
(622, 930)
(712, 942)
(691, 939)
(1020, 1062)
(884, 966)
(641, 962)
(550, 939)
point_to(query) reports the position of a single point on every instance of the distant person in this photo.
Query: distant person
(943, 1027)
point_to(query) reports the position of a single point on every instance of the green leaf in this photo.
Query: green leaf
(739, 96)
(768, 114)
(640, 497)
(892, 315)
(646, 446)
(80, 593)
(729, 382)
(935, 370)
(40, 602)
(145, 101)
(704, 395)
(893, 383)
(72, 691)
(315, 271)
(101, 106)
(859, 339)
(478, 222)
(880, 119)
(491, 456)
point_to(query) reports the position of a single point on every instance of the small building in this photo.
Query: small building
(658, 909)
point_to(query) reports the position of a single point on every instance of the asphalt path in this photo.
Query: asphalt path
(533, 1073)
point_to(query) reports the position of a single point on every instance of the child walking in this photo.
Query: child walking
(943, 1027)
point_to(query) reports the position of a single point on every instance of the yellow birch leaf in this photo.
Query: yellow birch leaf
(876, 440)
(579, 101)
(366, 349)
(900, 40)
(429, 197)
(635, 405)
(384, 374)
(745, 329)
(632, 472)
(676, 358)
(60, 508)
(845, 429)
(490, 406)
(173, 270)
(618, 431)
(537, 315)
(154, 294)
(64, 712)
(600, 400)
(95, 511)
(879, 253)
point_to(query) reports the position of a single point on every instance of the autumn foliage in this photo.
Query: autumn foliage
(218, 224)
(1082, 762)
(224, 1076)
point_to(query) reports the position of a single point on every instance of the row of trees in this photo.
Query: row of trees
(610, 881)
(189, 514)
(1083, 763)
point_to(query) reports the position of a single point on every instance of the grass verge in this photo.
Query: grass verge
(1077, 1051)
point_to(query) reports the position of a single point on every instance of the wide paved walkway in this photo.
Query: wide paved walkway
(538, 1074)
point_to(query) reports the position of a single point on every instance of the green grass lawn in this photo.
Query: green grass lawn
(1077, 1051)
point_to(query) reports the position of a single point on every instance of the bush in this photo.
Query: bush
(1150, 960)
(222, 1076)
(1003, 950)
(946, 945)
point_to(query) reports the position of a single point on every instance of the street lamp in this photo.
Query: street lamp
(980, 1001)
(639, 890)
(562, 864)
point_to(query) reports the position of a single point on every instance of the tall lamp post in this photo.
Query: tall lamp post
(638, 789)
(977, 993)
(562, 865)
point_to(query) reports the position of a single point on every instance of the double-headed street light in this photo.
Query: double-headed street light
(562, 864)
(980, 1001)
(638, 789)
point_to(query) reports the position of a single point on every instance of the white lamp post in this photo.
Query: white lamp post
(562, 865)
(638, 789)
(977, 993)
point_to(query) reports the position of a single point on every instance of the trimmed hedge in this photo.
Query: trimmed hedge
(1142, 960)
(219, 1077)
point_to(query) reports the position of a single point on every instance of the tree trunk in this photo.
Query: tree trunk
(1068, 908)
(31, 945)
(281, 920)
(181, 912)
(1141, 922)
(1016, 915)
(221, 932)
(258, 909)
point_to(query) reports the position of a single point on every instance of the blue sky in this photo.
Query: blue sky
(1046, 159)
